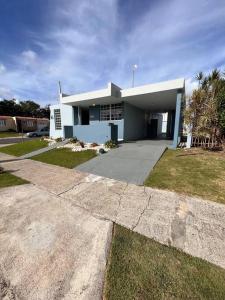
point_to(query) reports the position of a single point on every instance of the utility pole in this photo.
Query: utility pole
(134, 68)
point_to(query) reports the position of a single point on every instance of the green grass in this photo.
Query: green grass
(194, 172)
(140, 268)
(8, 179)
(9, 134)
(64, 157)
(24, 147)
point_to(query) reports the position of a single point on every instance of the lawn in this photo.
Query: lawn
(64, 157)
(24, 147)
(9, 134)
(194, 172)
(140, 268)
(8, 179)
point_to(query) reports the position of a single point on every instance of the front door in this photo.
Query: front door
(153, 129)
(68, 131)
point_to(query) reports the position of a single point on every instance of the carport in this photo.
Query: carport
(154, 111)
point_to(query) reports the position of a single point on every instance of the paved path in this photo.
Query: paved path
(193, 225)
(131, 162)
(50, 249)
(46, 149)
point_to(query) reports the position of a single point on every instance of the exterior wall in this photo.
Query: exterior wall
(67, 119)
(97, 131)
(9, 124)
(42, 123)
(134, 122)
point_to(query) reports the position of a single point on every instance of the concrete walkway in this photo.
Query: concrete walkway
(131, 162)
(46, 149)
(50, 249)
(191, 224)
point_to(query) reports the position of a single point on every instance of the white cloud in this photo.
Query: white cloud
(2, 68)
(85, 47)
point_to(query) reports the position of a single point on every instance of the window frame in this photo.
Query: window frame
(57, 119)
(111, 112)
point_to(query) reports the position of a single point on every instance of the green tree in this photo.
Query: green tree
(206, 109)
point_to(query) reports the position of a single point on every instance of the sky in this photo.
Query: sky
(87, 43)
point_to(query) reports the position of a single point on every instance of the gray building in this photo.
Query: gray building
(151, 111)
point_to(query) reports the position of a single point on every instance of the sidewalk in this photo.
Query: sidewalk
(191, 224)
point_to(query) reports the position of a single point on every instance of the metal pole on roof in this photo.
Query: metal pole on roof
(134, 68)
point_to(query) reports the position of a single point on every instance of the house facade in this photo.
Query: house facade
(151, 111)
(7, 123)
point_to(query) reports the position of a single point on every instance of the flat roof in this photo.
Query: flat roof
(151, 96)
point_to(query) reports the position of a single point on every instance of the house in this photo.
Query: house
(26, 124)
(149, 111)
(7, 123)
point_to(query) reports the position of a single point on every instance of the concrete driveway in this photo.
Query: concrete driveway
(131, 162)
(49, 249)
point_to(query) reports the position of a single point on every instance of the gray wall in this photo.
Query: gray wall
(134, 122)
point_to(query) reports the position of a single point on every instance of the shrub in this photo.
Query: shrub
(111, 144)
(58, 140)
(81, 144)
(94, 144)
(1, 170)
(74, 140)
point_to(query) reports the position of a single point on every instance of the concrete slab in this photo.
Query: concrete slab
(131, 162)
(193, 225)
(53, 178)
(49, 249)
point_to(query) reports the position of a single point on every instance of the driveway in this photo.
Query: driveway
(50, 249)
(131, 162)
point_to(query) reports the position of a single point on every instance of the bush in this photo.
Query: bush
(1, 170)
(81, 144)
(111, 144)
(74, 140)
(94, 144)
(58, 140)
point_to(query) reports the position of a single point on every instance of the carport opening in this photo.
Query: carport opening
(159, 125)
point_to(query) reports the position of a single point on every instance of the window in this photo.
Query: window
(29, 123)
(104, 112)
(57, 116)
(2, 123)
(111, 112)
(116, 111)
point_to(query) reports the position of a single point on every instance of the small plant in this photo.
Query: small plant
(94, 144)
(1, 170)
(58, 140)
(74, 140)
(81, 144)
(111, 144)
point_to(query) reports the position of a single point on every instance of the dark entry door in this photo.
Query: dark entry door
(114, 132)
(68, 130)
(152, 129)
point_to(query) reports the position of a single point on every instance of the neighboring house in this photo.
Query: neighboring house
(148, 111)
(26, 124)
(7, 123)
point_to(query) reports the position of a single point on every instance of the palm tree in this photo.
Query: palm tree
(215, 75)
(199, 77)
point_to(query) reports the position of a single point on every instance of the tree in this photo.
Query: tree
(206, 109)
(24, 108)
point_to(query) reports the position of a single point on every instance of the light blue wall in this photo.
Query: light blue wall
(177, 125)
(134, 122)
(97, 131)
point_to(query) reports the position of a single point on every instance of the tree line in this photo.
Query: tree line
(24, 108)
(205, 111)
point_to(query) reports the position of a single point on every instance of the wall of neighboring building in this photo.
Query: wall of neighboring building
(134, 122)
(7, 123)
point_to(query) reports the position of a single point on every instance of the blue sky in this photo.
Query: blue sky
(87, 43)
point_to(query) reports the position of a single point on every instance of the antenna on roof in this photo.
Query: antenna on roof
(134, 68)
(60, 92)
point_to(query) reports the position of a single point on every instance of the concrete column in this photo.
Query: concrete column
(176, 135)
